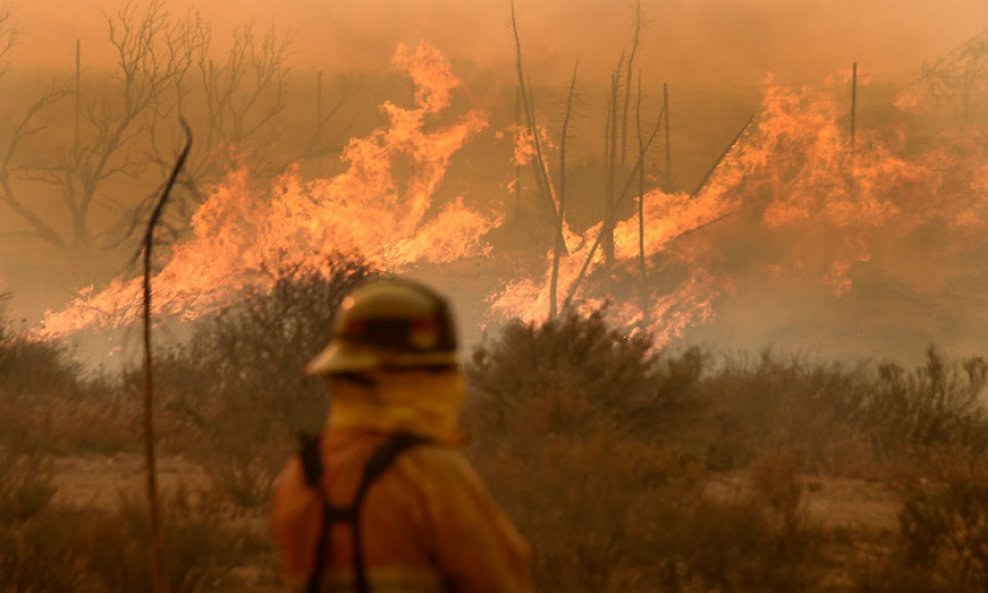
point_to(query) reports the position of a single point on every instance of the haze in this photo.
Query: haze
(714, 42)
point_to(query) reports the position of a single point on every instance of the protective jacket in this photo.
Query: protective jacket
(427, 523)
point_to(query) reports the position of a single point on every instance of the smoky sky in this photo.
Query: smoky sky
(714, 42)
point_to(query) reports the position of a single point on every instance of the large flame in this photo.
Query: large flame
(818, 205)
(796, 175)
(241, 233)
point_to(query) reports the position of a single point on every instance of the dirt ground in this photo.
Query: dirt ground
(101, 482)
(95, 481)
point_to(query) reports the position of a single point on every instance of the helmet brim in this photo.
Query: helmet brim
(343, 357)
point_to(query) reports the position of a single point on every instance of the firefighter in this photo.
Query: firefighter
(383, 500)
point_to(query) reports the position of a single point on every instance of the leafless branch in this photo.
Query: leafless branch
(27, 127)
(9, 34)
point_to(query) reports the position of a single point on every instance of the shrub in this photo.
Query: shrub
(946, 528)
(31, 367)
(25, 486)
(757, 406)
(235, 392)
(936, 404)
(561, 372)
(42, 554)
(64, 549)
(47, 402)
(200, 547)
(575, 429)
(942, 544)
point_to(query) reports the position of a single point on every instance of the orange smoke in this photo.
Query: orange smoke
(241, 234)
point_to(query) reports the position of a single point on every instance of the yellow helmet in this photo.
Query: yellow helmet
(392, 323)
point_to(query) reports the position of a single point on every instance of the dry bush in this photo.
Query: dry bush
(47, 402)
(30, 367)
(32, 554)
(936, 404)
(235, 393)
(942, 544)
(25, 486)
(945, 529)
(774, 478)
(757, 406)
(42, 554)
(65, 549)
(575, 428)
(200, 547)
(576, 366)
(839, 419)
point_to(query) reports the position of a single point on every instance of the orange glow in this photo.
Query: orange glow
(795, 171)
(241, 234)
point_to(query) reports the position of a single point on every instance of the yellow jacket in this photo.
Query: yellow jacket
(428, 523)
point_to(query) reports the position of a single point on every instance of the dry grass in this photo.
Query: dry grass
(602, 450)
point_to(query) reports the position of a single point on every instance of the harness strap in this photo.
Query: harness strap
(378, 464)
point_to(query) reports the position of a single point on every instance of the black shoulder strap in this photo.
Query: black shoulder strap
(311, 456)
(379, 462)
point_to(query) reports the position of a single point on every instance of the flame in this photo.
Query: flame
(241, 232)
(796, 171)
(827, 206)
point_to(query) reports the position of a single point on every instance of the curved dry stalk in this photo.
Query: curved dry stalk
(159, 576)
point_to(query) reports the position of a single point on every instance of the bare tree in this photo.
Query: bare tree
(239, 103)
(152, 52)
(962, 72)
(28, 127)
(540, 169)
(560, 243)
(611, 162)
(8, 36)
(636, 38)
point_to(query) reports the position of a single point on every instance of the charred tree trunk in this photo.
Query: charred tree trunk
(642, 281)
(560, 243)
(611, 166)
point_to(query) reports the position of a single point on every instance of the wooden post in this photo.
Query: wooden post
(517, 185)
(78, 91)
(643, 284)
(611, 165)
(854, 100)
(665, 109)
(319, 122)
